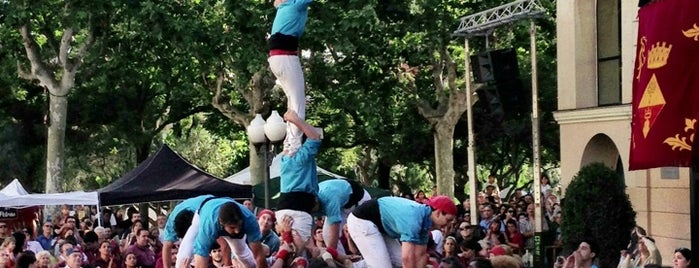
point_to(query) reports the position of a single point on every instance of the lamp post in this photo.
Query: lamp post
(264, 135)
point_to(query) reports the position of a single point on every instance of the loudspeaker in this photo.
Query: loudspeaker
(494, 65)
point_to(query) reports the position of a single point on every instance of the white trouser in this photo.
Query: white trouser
(378, 250)
(238, 246)
(187, 243)
(241, 250)
(287, 69)
(345, 214)
(302, 224)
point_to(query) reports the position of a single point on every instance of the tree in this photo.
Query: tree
(606, 219)
(55, 46)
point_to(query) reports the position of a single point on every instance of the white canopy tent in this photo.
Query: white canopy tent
(15, 196)
(243, 177)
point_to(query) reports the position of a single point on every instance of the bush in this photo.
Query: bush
(597, 209)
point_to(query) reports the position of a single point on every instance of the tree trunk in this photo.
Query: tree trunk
(444, 158)
(55, 154)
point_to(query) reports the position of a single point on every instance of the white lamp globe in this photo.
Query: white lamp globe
(275, 128)
(256, 130)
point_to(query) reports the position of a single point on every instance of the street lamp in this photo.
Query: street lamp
(264, 135)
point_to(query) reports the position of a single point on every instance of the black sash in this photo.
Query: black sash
(357, 194)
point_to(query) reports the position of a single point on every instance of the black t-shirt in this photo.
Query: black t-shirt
(369, 210)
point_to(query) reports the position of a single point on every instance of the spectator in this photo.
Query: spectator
(545, 184)
(216, 256)
(515, 239)
(682, 258)
(488, 217)
(266, 220)
(105, 257)
(144, 254)
(44, 259)
(420, 197)
(46, 239)
(26, 259)
(648, 253)
(8, 246)
(161, 221)
(5, 261)
(583, 257)
(74, 258)
(494, 235)
(65, 248)
(248, 204)
(130, 260)
(318, 237)
(469, 250)
(450, 249)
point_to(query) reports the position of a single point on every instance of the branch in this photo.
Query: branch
(49, 34)
(38, 69)
(179, 117)
(24, 74)
(82, 51)
(221, 103)
(65, 46)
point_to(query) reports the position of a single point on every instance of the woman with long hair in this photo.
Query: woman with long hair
(44, 259)
(420, 197)
(647, 254)
(514, 238)
(5, 259)
(130, 260)
(105, 257)
(494, 236)
(450, 248)
(8, 247)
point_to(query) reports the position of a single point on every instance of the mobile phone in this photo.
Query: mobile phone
(560, 259)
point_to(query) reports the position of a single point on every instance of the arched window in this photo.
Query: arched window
(608, 52)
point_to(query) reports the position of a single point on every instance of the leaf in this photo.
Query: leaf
(693, 32)
(677, 142)
(689, 124)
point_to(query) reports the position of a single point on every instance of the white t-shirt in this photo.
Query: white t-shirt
(439, 240)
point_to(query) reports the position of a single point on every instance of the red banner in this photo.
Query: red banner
(665, 85)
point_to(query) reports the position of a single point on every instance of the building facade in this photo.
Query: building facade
(596, 43)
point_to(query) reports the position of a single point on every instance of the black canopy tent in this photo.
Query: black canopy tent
(166, 176)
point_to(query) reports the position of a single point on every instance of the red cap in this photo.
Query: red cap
(498, 251)
(443, 203)
(268, 212)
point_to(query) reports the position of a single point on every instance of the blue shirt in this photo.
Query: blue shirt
(210, 229)
(46, 242)
(191, 204)
(333, 195)
(299, 173)
(291, 17)
(272, 241)
(404, 219)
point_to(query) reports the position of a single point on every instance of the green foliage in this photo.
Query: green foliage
(597, 208)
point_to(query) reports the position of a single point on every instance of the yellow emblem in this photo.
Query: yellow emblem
(692, 32)
(652, 102)
(641, 57)
(658, 55)
(680, 143)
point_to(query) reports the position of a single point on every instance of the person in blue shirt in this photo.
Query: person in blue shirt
(298, 195)
(179, 226)
(337, 198)
(393, 231)
(226, 218)
(288, 26)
